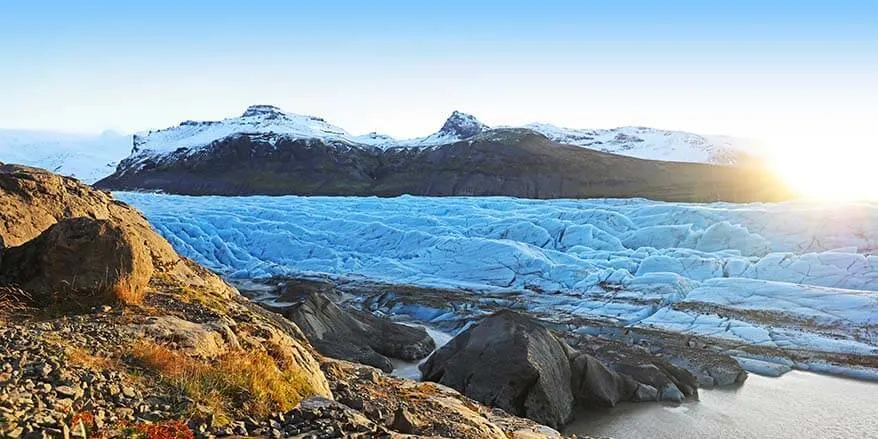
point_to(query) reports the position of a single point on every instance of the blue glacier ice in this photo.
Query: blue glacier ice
(689, 268)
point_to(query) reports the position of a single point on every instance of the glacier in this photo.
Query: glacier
(794, 276)
(87, 157)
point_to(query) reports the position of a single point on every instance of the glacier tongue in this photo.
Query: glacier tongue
(794, 275)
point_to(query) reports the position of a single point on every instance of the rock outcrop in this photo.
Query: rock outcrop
(81, 259)
(509, 361)
(595, 384)
(32, 200)
(424, 409)
(349, 334)
(651, 374)
(643, 352)
(75, 247)
(461, 126)
(513, 362)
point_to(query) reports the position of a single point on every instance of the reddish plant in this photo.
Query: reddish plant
(165, 430)
(87, 419)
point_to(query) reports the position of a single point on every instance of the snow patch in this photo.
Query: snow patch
(88, 157)
(651, 143)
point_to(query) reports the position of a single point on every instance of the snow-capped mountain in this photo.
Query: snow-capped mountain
(459, 126)
(92, 157)
(88, 157)
(266, 151)
(649, 143)
(268, 123)
(257, 120)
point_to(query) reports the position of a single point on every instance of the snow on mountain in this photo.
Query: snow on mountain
(459, 126)
(375, 139)
(88, 157)
(269, 122)
(648, 143)
(92, 157)
(256, 120)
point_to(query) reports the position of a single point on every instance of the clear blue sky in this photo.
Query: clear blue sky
(757, 69)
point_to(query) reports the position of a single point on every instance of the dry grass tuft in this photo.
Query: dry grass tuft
(125, 294)
(242, 382)
(160, 359)
(81, 357)
(13, 302)
(189, 293)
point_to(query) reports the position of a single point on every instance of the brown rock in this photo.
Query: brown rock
(405, 422)
(426, 409)
(32, 200)
(90, 261)
(200, 340)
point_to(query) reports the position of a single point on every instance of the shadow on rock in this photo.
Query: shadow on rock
(513, 362)
(349, 334)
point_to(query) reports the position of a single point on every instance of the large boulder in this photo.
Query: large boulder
(32, 200)
(595, 384)
(350, 334)
(652, 374)
(84, 260)
(509, 361)
(514, 362)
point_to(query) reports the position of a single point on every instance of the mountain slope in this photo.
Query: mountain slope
(269, 123)
(84, 156)
(256, 120)
(92, 157)
(511, 162)
(650, 143)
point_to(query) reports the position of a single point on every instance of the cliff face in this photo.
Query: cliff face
(506, 162)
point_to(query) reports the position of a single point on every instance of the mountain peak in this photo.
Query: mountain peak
(462, 125)
(262, 110)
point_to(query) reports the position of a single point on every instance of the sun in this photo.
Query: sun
(829, 173)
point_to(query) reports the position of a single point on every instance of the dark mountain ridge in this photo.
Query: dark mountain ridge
(502, 162)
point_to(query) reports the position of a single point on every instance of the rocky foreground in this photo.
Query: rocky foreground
(106, 332)
(503, 358)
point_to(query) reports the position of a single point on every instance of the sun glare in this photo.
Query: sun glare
(829, 174)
